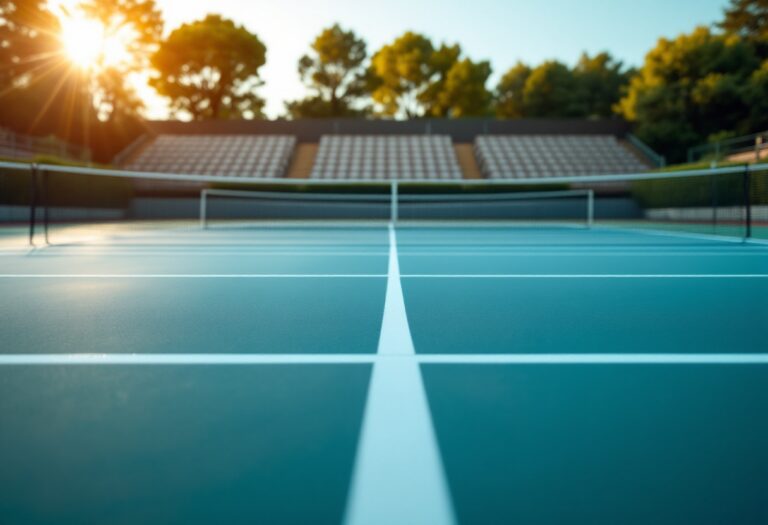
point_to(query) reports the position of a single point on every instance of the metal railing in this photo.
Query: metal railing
(14, 145)
(752, 148)
(657, 160)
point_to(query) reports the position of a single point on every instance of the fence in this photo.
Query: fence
(16, 146)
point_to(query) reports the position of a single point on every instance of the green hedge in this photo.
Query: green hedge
(724, 190)
(66, 189)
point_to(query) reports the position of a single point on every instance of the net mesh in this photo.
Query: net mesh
(726, 202)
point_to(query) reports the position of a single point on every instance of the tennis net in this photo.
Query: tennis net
(46, 200)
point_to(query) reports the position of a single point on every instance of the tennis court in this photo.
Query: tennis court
(377, 374)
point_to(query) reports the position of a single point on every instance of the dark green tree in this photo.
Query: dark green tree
(510, 90)
(438, 64)
(335, 75)
(209, 69)
(462, 91)
(600, 83)
(402, 72)
(756, 100)
(690, 88)
(550, 91)
(748, 19)
(412, 78)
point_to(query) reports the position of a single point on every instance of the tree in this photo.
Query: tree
(209, 69)
(747, 18)
(462, 91)
(412, 78)
(335, 74)
(600, 83)
(136, 26)
(39, 92)
(438, 64)
(756, 99)
(510, 92)
(401, 72)
(28, 43)
(691, 88)
(550, 91)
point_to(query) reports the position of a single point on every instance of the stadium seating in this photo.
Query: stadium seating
(254, 156)
(385, 157)
(524, 156)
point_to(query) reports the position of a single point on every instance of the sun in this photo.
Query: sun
(83, 41)
(90, 45)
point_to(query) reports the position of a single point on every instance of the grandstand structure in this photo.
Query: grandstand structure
(250, 156)
(531, 156)
(354, 149)
(387, 157)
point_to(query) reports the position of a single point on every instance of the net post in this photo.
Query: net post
(394, 210)
(204, 209)
(32, 203)
(46, 205)
(747, 203)
(590, 208)
(715, 202)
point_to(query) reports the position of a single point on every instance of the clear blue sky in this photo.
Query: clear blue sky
(502, 31)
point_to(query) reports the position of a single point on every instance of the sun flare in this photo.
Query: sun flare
(90, 45)
(83, 41)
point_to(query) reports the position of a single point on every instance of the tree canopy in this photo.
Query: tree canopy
(697, 86)
(209, 69)
(39, 91)
(747, 18)
(462, 92)
(412, 78)
(335, 75)
(692, 87)
(510, 102)
(401, 73)
(552, 89)
(138, 26)
(28, 43)
(601, 80)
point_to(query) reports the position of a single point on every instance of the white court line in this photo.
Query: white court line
(398, 475)
(548, 252)
(685, 235)
(193, 276)
(590, 276)
(185, 359)
(377, 276)
(596, 359)
(203, 253)
(354, 359)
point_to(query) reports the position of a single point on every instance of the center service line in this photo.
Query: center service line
(398, 475)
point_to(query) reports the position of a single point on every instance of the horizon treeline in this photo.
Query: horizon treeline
(700, 86)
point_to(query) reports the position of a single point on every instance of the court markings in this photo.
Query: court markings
(591, 276)
(380, 276)
(195, 276)
(505, 252)
(160, 253)
(684, 235)
(398, 475)
(356, 359)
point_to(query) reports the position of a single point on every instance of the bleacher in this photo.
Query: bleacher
(386, 157)
(251, 156)
(525, 156)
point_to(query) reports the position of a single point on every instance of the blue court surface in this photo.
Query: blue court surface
(368, 374)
